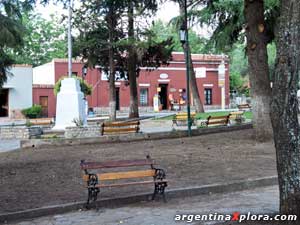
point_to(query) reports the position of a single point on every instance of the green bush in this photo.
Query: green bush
(85, 87)
(33, 112)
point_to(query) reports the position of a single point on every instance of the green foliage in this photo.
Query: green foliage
(84, 86)
(226, 17)
(164, 31)
(93, 43)
(78, 122)
(33, 112)
(11, 35)
(43, 40)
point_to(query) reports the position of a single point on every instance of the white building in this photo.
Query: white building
(16, 93)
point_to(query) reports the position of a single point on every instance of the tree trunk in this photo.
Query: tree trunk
(112, 87)
(192, 82)
(257, 41)
(285, 105)
(134, 107)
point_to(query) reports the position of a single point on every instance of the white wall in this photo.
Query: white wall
(44, 74)
(20, 88)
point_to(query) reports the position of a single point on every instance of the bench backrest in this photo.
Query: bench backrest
(184, 115)
(120, 127)
(234, 115)
(106, 176)
(41, 121)
(218, 120)
(244, 106)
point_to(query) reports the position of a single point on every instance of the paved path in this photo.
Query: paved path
(9, 145)
(260, 200)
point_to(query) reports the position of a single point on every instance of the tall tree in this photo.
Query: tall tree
(108, 37)
(99, 25)
(134, 107)
(285, 106)
(257, 40)
(187, 50)
(229, 19)
(11, 34)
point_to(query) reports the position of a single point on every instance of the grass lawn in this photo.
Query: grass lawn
(248, 115)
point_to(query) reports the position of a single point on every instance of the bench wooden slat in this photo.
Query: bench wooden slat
(121, 124)
(218, 117)
(130, 183)
(41, 121)
(123, 175)
(217, 122)
(116, 164)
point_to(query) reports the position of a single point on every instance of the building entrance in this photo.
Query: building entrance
(163, 95)
(4, 103)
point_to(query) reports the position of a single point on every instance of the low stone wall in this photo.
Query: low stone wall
(83, 132)
(19, 132)
(128, 137)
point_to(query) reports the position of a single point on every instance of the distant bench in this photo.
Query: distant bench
(217, 121)
(244, 107)
(41, 121)
(120, 127)
(237, 116)
(96, 181)
(181, 118)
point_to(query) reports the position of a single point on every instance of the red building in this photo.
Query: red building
(165, 81)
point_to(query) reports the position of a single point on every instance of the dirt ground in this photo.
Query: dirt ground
(32, 178)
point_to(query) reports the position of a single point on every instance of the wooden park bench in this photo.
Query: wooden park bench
(244, 107)
(120, 127)
(41, 121)
(146, 174)
(181, 118)
(217, 121)
(237, 116)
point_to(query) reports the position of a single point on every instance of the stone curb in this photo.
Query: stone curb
(117, 202)
(130, 137)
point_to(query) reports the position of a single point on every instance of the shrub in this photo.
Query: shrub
(84, 86)
(33, 112)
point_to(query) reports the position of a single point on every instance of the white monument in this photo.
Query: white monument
(70, 104)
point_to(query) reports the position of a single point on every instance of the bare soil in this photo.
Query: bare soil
(32, 178)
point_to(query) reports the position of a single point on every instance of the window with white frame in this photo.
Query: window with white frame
(144, 96)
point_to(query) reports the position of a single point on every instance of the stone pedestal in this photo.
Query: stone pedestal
(69, 105)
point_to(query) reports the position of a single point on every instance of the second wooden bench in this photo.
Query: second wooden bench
(120, 127)
(217, 121)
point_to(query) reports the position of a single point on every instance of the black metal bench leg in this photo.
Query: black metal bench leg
(155, 191)
(92, 195)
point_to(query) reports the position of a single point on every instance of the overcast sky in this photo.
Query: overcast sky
(166, 11)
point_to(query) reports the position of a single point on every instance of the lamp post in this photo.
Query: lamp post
(84, 71)
(184, 39)
(70, 39)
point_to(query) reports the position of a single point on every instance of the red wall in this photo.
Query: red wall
(176, 77)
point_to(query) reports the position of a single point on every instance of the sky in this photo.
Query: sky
(166, 11)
